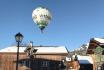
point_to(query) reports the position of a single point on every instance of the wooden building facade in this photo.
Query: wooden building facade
(96, 51)
(94, 43)
(46, 58)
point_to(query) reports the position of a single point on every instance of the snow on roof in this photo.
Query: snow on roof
(85, 59)
(52, 49)
(101, 40)
(13, 49)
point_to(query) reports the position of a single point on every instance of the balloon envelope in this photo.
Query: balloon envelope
(41, 16)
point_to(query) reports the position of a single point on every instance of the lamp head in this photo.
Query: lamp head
(18, 37)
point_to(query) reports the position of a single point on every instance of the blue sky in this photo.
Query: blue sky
(73, 22)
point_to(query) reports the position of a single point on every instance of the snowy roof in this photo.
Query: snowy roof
(101, 40)
(85, 59)
(82, 59)
(51, 49)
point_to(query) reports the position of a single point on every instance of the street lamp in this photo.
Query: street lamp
(18, 38)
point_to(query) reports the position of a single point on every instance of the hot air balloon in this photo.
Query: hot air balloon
(41, 16)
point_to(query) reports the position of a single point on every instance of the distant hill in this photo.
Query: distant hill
(81, 50)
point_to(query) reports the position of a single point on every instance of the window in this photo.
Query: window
(25, 63)
(44, 63)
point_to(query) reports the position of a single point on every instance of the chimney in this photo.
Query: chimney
(31, 44)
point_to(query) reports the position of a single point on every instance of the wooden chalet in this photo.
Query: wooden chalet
(96, 51)
(40, 58)
(94, 43)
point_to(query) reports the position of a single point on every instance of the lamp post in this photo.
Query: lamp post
(18, 38)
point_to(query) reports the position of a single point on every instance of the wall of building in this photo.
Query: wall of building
(38, 62)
